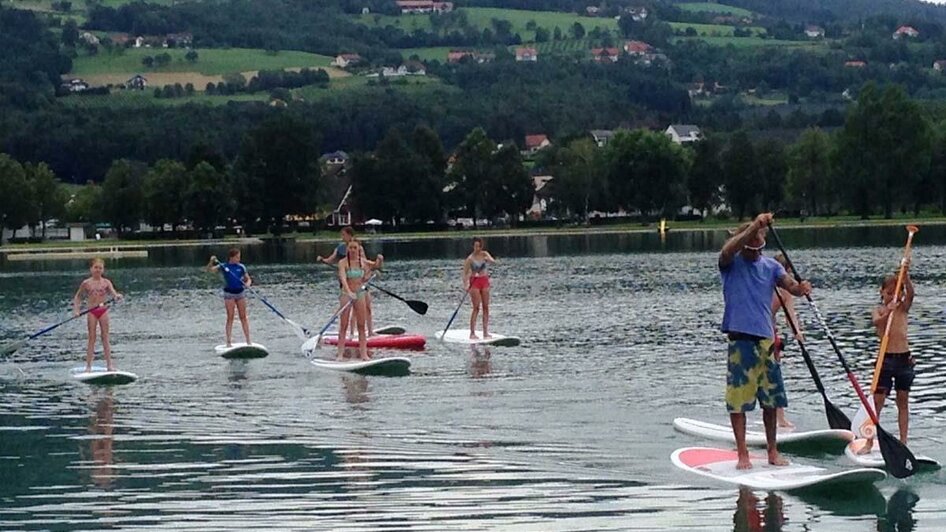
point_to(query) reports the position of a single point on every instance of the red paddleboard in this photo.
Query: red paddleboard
(391, 341)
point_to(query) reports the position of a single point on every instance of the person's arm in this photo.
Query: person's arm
(793, 317)
(376, 263)
(247, 280)
(213, 265)
(907, 290)
(736, 243)
(113, 292)
(879, 315)
(793, 287)
(343, 278)
(489, 258)
(77, 299)
(467, 267)
(331, 259)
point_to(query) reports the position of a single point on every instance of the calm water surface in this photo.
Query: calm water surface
(570, 431)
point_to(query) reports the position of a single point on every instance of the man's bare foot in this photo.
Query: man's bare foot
(743, 463)
(785, 424)
(867, 448)
(777, 459)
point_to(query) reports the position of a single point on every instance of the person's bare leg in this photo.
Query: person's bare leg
(343, 329)
(368, 320)
(360, 312)
(244, 321)
(90, 348)
(231, 308)
(738, 422)
(879, 399)
(485, 298)
(903, 414)
(477, 300)
(771, 431)
(106, 342)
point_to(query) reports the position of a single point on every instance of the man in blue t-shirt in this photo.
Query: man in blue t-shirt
(749, 281)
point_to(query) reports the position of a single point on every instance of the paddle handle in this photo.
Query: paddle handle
(67, 320)
(882, 352)
(455, 312)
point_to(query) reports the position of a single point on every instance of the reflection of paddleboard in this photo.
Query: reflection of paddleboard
(391, 329)
(720, 464)
(241, 350)
(875, 459)
(724, 433)
(394, 341)
(462, 336)
(99, 375)
(378, 366)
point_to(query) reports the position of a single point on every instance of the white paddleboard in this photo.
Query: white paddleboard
(875, 459)
(377, 366)
(99, 375)
(242, 350)
(462, 336)
(720, 464)
(724, 433)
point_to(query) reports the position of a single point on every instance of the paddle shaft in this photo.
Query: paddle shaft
(14, 346)
(455, 312)
(300, 331)
(881, 353)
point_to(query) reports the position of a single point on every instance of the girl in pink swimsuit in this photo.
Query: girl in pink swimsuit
(96, 291)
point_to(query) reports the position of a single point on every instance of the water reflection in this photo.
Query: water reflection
(754, 516)
(355, 388)
(481, 364)
(101, 424)
(899, 516)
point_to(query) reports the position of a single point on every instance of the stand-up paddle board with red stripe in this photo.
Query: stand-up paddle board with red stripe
(720, 464)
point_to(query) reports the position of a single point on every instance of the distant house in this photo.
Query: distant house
(695, 89)
(413, 68)
(335, 158)
(638, 48)
(120, 39)
(939, 65)
(89, 38)
(341, 215)
(602, 136)
(456, 56)
(541, 197)
(423, 6)
(137, 82)
(855, 63)
(906, 31)
(814, 32)
(527, 53)
(683, 133)
(592, 11)
(74, 85)
(605, 55)
(638, 14)
(534, 143)
(172, 40)
(346, 60)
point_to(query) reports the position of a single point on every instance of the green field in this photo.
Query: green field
(138, 99)
(714, 30)
(435, 53)
(363, 85)
(722, 9)
(482, 17)
(209, 62)
(750, 42)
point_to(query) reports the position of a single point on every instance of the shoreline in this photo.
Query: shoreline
(326, 237)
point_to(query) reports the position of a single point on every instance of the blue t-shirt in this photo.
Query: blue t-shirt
(234, 278)
(341, 251)
(748, 289)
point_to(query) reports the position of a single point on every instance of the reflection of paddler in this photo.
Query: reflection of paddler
(356, 389)
(750, 518)
(481, 364)
(101, 443)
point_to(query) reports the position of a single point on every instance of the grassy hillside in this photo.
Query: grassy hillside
(722, 9)
(714, 30)
(209, 61)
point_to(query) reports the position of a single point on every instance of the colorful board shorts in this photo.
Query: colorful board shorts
(234, 295)
(479, 282)
(896, 373)
(753, 374)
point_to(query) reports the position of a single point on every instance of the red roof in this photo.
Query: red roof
(526, 51)
(605, 51)
(637, 47)
(534, 141)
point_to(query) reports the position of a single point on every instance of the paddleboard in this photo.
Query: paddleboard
(377, 366)
(875, 459)
(724, 433)
(720, 464)
(393, 341)
(99, 375)
(391, 329)
(242, 350)
(462, 336)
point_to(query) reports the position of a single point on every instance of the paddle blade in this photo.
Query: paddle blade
(836, 418)
(900, 461)
(863, 426)
(298, 329)
(417, 306)
(12, 347)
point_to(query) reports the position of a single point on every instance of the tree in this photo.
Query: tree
(122, 200)
(147, 61)
(278, 171)
(739, 171)
(509, 189)
(85, 206)
(47, 196)
(191, 56)
(771, 169)
(470, 172)
(706, 176)
(14, 208)
(646, 171)
(208, 198)
(70, 33)
(162, 193)
(809, 172)
(541, 34)
(578, 31)
(579, 183)
(163, 59)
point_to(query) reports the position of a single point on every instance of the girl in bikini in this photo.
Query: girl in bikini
(96, 291)
(476, 280)
(236, 281)
(353, 273)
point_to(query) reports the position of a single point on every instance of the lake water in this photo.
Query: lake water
(572, 430)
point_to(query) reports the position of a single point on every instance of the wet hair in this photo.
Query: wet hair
(348, 231)
(233, 253)
(97, 260)
(477, 239)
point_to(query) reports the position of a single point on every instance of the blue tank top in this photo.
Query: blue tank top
(341, 251)
(233, 279)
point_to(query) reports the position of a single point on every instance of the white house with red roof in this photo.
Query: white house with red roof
(536, 142)
(605, 55)
(346, 60)
(527, 53)
(638, 48)
(423, 6)
(906, 31)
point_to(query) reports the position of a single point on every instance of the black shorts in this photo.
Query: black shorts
(897, 373)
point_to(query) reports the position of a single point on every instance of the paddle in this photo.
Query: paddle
(836, 418)
(12, 347)
(417, 306)
(455, 312)
(862, 415)
(300, 331)
(900, 461)
(318, 342)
